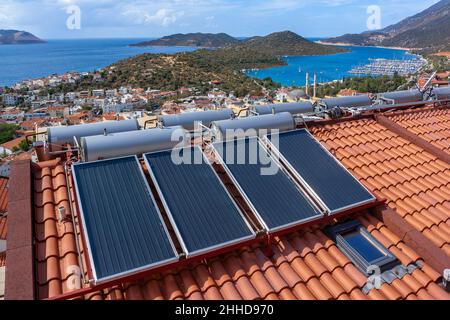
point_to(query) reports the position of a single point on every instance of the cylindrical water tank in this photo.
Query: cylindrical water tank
(251, 126)
(59, 136)
(361, 100)
(398, 97)
(122, 144)
(187, 120)
(292, 108)
(442, 93)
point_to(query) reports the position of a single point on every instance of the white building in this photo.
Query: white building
(10, 99)
(111, 93)
(98, 93)
(114, 107)
(71, 96)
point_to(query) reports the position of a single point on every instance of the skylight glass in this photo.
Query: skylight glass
(361, 244)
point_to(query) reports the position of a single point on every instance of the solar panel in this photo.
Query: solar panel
(273, 196)
(319, 171)
(124, 229)
(203, 213)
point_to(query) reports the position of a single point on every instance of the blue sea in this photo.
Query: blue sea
(329, 67)
(21, 62)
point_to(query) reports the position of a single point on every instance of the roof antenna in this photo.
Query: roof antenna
(105, 133)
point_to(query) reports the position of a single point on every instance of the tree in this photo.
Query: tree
(7, 132)
(23, 145)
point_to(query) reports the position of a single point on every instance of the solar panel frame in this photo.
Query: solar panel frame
(298, 176)
(172, 219)
(81, 211)
(250, 203)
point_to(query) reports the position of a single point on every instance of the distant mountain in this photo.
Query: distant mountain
(204, 40)
(430, 28)
(285, 43)
(18, 37)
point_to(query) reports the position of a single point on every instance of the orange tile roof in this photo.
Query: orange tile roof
(416, 184)
(3, 229)
(13, 143)
(432, 125)
(3, 194)
(305, 265)
(112, 117)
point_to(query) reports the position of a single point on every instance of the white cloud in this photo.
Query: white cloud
(161, 17)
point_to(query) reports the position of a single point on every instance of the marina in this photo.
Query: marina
(381, 67)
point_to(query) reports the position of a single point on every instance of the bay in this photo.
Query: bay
(329, 67)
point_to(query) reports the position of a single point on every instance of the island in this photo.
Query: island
(18, 37)
(200, 40)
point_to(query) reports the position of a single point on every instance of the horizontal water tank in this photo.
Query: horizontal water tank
(241, 127)
(361, 100)
(398, 97)
(442, 93)
(59, 136)
(188, 119)
(292, 108)
(122, 144)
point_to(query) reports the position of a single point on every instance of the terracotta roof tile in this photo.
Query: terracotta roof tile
(432, 125)
(414, 182)
(3, 194)
(3, 228)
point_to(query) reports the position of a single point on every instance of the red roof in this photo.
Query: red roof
(13, 143)
(112, 117)
(3, 194)
(305, 264)
(3, 229)
(432, 125)
(2, 259)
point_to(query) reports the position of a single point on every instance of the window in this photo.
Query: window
(361, 247)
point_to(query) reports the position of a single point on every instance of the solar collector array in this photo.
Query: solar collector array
(273, 196)
(123, 227)
(204, 215)
(314, 166)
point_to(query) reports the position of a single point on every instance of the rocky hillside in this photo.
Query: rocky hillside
(285, 43)
(18, 37)
(428, 29)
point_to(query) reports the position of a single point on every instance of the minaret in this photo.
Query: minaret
(315, 84)
(307, 84)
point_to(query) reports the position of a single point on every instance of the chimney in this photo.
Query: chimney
(307, 84)
(315, 84)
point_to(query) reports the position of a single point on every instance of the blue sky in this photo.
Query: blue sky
(154, 18)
